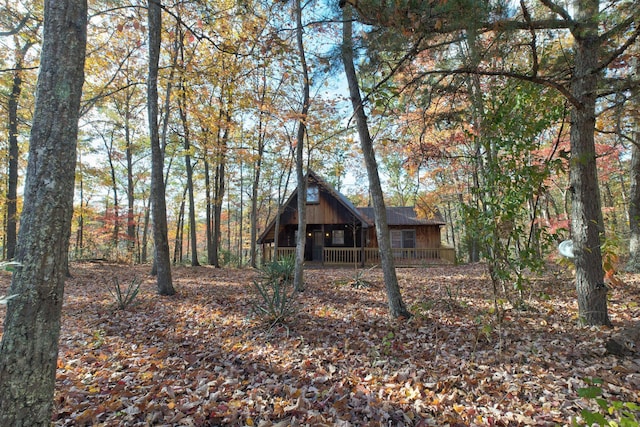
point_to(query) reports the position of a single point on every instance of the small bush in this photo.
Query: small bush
(275, 291)
(124, 296)
(612, 413)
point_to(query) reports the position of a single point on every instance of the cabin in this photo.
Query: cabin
(338, 233)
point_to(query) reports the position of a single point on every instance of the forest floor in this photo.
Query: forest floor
(202, 358)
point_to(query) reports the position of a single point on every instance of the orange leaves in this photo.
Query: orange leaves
(199, 359)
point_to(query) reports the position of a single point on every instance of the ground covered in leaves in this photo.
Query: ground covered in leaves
(202, 358)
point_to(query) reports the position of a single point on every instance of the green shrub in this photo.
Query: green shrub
(124, 296)
(275, 291)
(613, 413)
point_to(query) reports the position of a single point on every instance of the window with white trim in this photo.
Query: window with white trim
(313, 194)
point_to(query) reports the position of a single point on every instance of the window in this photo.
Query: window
(337, 237)
(313, 194)
(403, 239)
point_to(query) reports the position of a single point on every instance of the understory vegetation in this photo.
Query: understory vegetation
(204, 358)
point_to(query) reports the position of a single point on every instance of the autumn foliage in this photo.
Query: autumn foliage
(202, 358)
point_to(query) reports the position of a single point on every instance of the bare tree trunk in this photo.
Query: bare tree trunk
(131, 223)
(145, 234)
(189, 169)
(177, 247)
(29, 349)
(633, 264)
(14, 153)
(298, 278)
(586, 214)
(396, 305)
(208, 210)
(114, 188)
(256, 177)
(162, 257)
(219, 186)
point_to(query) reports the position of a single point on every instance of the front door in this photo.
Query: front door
(318, 245)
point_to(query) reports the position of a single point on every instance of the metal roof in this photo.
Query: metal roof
(406, 215)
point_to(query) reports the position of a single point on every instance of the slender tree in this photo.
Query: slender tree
(298, 278)
(14, 151)
(396, 305)
(577, 74)
(29, 349)
(162, 258)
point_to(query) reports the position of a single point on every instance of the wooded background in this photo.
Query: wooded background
(452, 126)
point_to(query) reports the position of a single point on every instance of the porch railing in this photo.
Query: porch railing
(402, 257)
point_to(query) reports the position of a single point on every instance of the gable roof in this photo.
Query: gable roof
(396, 216)
(344, 201)
(341, 198)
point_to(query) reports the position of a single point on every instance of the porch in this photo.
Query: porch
(408, 257)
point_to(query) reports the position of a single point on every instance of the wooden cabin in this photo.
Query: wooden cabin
(340, 233)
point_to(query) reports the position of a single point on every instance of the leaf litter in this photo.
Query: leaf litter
(201, 358)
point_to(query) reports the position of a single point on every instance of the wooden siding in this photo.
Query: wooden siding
(427, 236)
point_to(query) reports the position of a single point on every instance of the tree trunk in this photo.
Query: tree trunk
(159, 209)
(633, 264)
(189, 169)
(256, 177)
(396, 305)
(114, 188)
(208, 210)
(298, 278)
(29, 349)
(634, 206)
(145, 234)
(177, 247)
(14, 154)
(219, 184)
(586, 214)
(131, 223)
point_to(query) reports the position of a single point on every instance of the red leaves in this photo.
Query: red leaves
(200, 359)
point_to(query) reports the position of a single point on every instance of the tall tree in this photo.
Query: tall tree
(158, 205)
(29, 349)
(183, 110)
(394, 298)
(14, 152)
(576, 74)
(298, 277)
(586, 213)
(634, 190)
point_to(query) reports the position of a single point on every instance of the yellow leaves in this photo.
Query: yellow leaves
(197, 360)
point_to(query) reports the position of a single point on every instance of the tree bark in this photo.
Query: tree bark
(298, 277)
(262, 130)
(208, 209)
(396, 305)
(586, 213)
(633, 264)
(188, 167)
(114, 187)
(14, 153)
(29, 349)
(162, 257)
(131, 223)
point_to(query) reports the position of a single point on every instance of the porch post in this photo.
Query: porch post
(362, 243)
